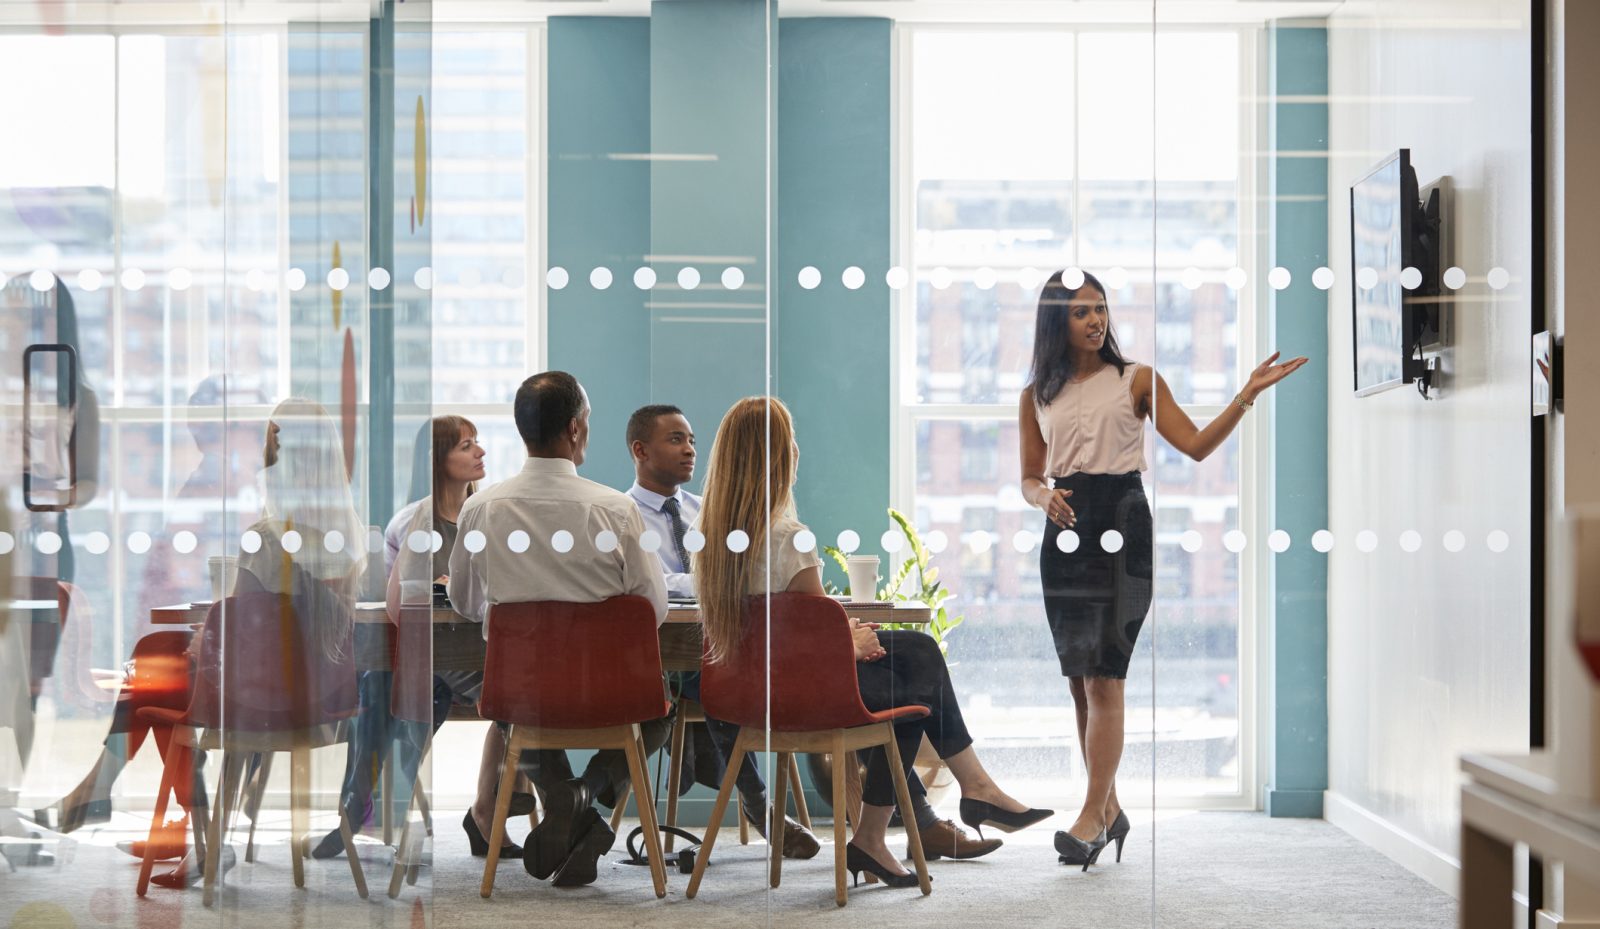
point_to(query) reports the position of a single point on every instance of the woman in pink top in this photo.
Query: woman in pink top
(1081, 421)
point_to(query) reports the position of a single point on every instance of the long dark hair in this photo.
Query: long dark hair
(1053, 363)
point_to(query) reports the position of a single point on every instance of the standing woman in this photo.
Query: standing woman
(1081, 422)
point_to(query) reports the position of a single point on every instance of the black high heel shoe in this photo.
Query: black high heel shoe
(70, 818)
(979, 813)
(1118, 832)
(856, 861)
(480, 844)
(1074, 850)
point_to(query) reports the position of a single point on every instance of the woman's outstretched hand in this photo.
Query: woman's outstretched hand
(865, 636)
(1270, 372)
(1057, 510)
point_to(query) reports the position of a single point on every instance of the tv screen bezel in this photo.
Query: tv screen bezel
(1406, 210)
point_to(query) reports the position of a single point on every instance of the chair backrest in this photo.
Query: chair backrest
(411, 659)
(811, 683)
(560, 665)
(259, 671)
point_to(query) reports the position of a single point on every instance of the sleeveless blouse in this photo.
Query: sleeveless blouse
(1091, 426)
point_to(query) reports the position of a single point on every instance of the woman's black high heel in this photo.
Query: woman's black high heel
(980, 813)
(1118, 832)
(480, 844)
(1074, 850)
(856, 861)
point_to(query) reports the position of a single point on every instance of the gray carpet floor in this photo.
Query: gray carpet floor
(1182, 870)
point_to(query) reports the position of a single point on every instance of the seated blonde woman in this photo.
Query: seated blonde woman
(754, 461)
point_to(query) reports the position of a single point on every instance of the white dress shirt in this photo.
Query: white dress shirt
(544, 499)
(680, 583)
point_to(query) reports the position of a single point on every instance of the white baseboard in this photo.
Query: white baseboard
(1548, 921)
(1441, 870)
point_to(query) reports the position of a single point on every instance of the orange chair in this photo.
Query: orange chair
(259, 687)
(811, 698)
(574, 675)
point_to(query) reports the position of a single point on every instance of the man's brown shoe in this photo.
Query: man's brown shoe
(798, 841)
(945, 839)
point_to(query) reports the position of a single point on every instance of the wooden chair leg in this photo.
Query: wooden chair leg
(387, 813)
(227, 787)
(840, 793)
(799, 792)
(740, 749)
(254, 809)
(299, 809)
(852, 781)
(902, 795)
(502, 808)
(169, 774)
(674, 775)
(640, 776)
(622, 805)
(402, 852)
(348, 836)
(780, 802)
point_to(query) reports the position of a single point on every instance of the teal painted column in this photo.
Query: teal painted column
(834, 211)
(1298, 185)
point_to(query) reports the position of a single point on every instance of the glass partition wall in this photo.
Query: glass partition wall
(826, 287)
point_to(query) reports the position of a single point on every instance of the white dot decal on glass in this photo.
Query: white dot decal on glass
(1322, 541)
(896, 277)
(98, 543)
(295, 279)
(1411, 541)
(1455, 278)
(518, 541)
(1499, 541)
(738, 541)
(1190, 279)
(1322, 278)
(418, 541)
(1191, 541)
(375, 542)
(1234, 541)
(600, 278)
(1279, 278)
(556, 278)
(980, 542)
(88, 279)
(1022, 541)
(475, 541)
(254, 279)
(1117, 278)
(650, 540)
(1498, 278)
(941, 278)
(1278, 541)
(512, 278)
(1073, 278)
(805, 541)
(378, 279)
(1235, 278)
(1029, 278)
(562, 541)
(644, 278)
(1367, 278)
(250, 541)
(1067, 541)
(184, 542)
(333, 542)
(984, 278)
(694, 541)
(338, 279)
(606, 542)
(853, 277)
(133, 279)
(689, 278)
(1455, 540)
(892, 541)
(1410, 278)
(139, 542)
(936, 541)
(41, 280)
(423, 278)
(7, 543)
(48, 542)
(1366, 541)
(809, 277)
(732, 278)
(1111, 541)
(291, 541)
(848, 541)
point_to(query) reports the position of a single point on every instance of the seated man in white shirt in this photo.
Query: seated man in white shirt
(661, 443)
(552, 414)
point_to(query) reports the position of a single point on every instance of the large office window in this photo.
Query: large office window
(1025, 152)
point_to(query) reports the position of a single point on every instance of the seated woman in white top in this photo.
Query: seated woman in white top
(897, 668)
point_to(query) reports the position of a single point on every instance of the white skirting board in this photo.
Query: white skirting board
(1441, 870)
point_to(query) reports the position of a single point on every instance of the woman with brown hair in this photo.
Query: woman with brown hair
(749, 488)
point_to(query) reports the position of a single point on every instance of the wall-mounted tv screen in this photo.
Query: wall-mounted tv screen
(1393, 243)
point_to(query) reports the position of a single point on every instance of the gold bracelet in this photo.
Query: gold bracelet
(1240, 402)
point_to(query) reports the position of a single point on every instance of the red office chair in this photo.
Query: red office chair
(574, 675)
(259, 687)
(815, 706)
